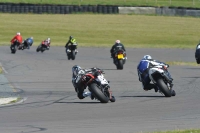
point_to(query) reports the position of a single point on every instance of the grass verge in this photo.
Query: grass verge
(1, 70)
(100, 30)
(181, 131)
(180, 63)
(172, 3)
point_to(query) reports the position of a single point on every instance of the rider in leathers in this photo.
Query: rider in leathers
(71, 41)
(77, 73)
(143, 72)
(118, 45)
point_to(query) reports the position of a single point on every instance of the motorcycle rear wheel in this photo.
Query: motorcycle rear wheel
(163, 87)
(120, 64)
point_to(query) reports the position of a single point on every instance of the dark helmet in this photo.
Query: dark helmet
(76, 69)
(70, 37)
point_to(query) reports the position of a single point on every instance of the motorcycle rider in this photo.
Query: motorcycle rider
(17, 38)
(28, 42)
(118, 45)
(143, 72)
(77, 73)
(71, 41)
(47, 42)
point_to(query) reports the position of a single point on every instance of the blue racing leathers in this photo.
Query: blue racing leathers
(143, 72)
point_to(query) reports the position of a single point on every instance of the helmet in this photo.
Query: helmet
(117, 41)
(18, 33)
(70, 37)
(147, 57)
(76, 69)
(48, 39)
(31, 37)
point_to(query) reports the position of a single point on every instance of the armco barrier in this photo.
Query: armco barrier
(55, 9)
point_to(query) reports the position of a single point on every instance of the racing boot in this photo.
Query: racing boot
(87, 93)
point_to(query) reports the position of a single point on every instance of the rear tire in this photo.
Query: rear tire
(163, 87)
(173, 93)
(198, 61)
(120, 64)
(98, 93)
(73, 55)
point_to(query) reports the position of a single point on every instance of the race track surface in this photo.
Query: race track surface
(51, 106)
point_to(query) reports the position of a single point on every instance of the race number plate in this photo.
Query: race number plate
(120, 56)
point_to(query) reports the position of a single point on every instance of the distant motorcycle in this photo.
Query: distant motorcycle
(14, 47)
(42, 47)
(71, 51)
(98, 86)
(120, 59)
(160, 76)
(24, 45)
(197, 54)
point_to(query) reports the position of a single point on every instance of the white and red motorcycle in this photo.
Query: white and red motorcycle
(97, 85)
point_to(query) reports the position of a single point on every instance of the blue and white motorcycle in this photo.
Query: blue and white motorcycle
(160, 76)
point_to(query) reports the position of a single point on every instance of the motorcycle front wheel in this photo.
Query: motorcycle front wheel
(98, 93)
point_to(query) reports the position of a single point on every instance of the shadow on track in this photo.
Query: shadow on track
(142, 96)
(81, 102)
(110, 69)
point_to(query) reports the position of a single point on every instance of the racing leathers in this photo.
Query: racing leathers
(71, 42)
(18, 39)
(115, 48)
(143, 72)
(28, 42)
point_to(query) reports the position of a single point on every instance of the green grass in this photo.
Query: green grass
(100, 30)
(181, 63)
(1, 70)
(181, 131)
(172, 3)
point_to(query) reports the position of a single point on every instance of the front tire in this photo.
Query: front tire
(163, 87)
(98, 93)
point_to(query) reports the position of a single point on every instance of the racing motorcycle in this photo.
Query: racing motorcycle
(98, 86)
(25, 45)
(120, 59)
(42, 47)
(71, 51)
(14, 47)
(197, 54)
(160, 76)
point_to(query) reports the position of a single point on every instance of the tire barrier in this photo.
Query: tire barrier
(56, 9)
(102, 9)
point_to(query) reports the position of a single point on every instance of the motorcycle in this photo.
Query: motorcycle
(14, 47)
(25, 45)
(160, 76)
(120, 59)
(97, 85)
(71, 51)
(197, 54)
(42, 47)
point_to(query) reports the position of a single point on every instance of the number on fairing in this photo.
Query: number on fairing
(102, 79)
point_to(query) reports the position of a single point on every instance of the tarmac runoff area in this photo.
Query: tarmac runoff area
(7, 92)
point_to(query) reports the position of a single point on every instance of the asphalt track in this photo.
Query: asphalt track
(50, 104)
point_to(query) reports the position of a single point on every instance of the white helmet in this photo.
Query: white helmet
(147, 57)
(48, 39)
(18, 33)
(117, 41)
